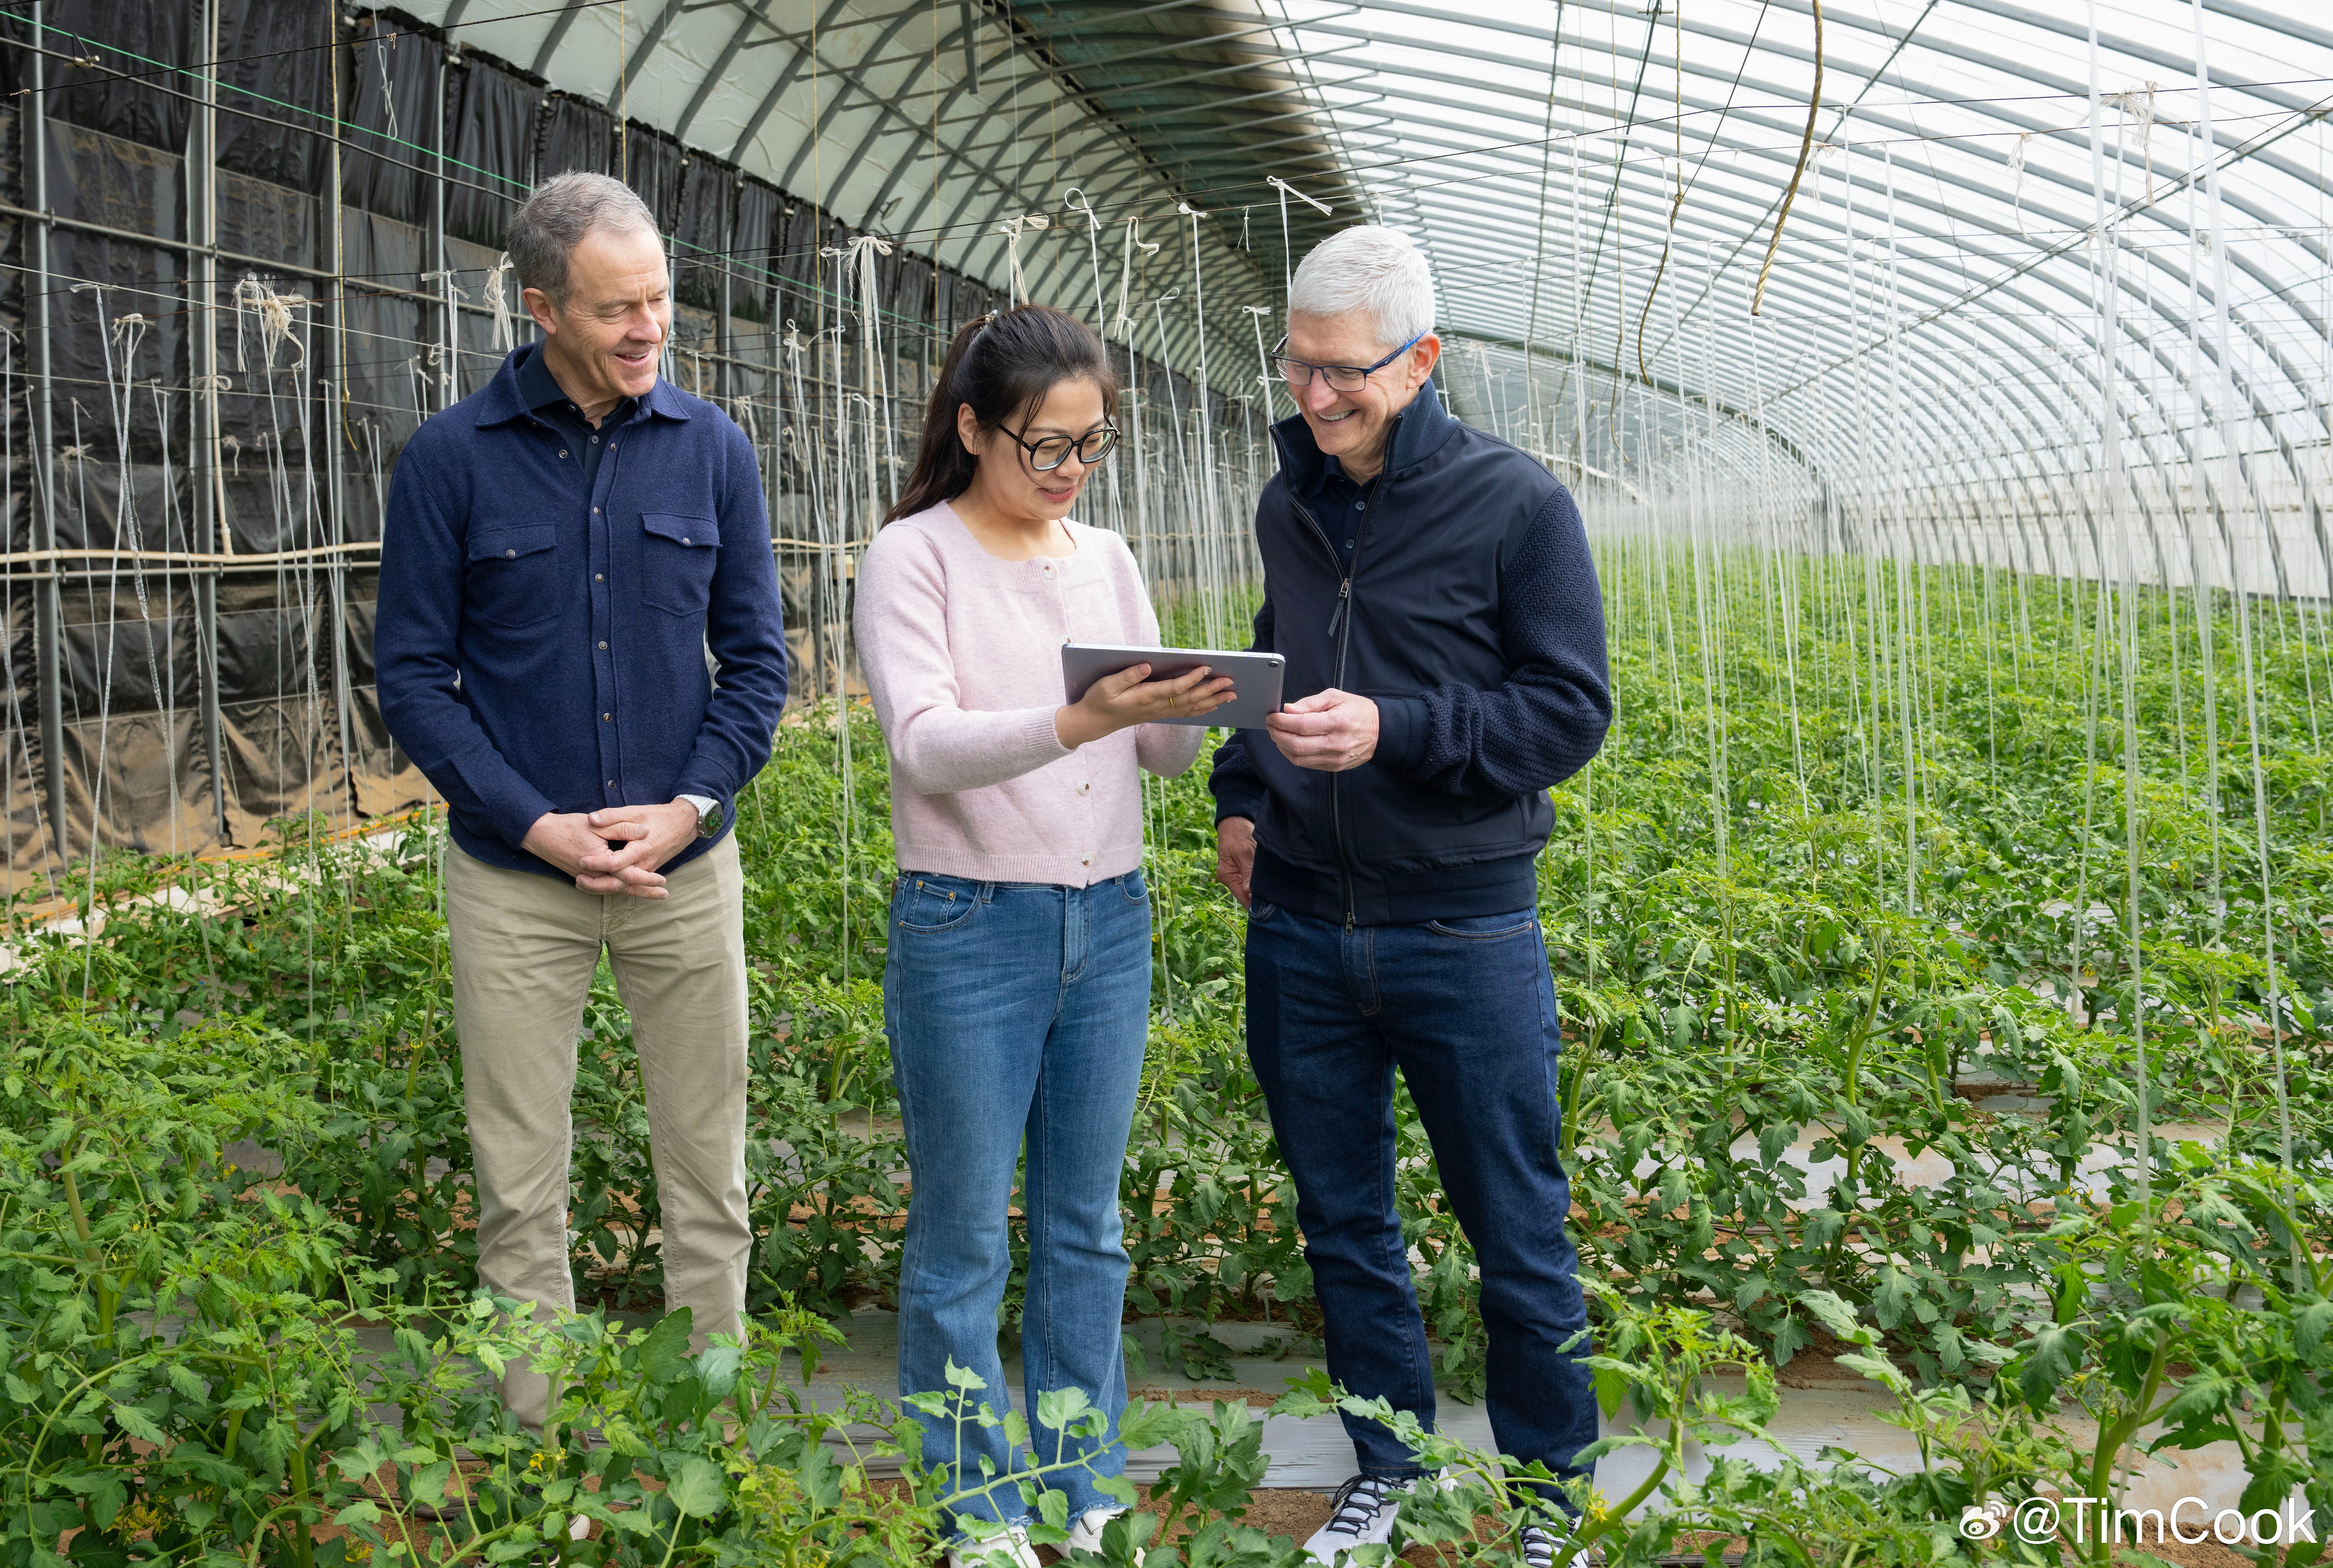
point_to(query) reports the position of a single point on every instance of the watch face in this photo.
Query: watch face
(710, 823)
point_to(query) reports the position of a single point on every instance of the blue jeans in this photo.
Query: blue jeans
(1016, 1008)
(1465, 1008)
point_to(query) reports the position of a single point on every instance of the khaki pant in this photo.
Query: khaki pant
(525, 949)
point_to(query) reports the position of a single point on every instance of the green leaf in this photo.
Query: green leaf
(363, 1511)
(664, 1353)
(2050, 1357)
(697, 1488)
(1834, 1314)
(428, 1483)
(139, 1425)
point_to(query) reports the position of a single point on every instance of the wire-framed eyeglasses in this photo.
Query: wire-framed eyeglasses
(1340, 378)
(1049, 452)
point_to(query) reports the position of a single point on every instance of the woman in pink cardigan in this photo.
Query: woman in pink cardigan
(1017, 989)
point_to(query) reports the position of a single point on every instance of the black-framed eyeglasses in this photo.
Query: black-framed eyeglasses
(1340, 378)
(1048, 452)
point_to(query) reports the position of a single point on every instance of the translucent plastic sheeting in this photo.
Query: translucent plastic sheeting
(1602, 183)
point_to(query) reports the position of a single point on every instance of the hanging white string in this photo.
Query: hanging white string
(2017, 178)
(1124, 323)
(1075, 200)
(1264, 378)
(1287, 258)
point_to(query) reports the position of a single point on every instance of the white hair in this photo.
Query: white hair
(1372, 270)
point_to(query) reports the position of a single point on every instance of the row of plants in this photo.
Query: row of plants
(201, 1368)
(1851, 868)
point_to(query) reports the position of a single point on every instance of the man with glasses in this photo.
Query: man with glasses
(1432, 592)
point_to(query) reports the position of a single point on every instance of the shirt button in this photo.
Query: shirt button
(1083, 787)
(611, 783)
(1085, 860)
(1348, 544)
(1360, 506)
(595, 441)
(595, 512)
(611, 718)
(604, 647)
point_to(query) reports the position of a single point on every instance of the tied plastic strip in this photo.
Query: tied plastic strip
(1011, 229)
(505, 332)
(275, 325)
(2138, 107)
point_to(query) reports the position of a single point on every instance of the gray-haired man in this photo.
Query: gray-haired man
(561, 549)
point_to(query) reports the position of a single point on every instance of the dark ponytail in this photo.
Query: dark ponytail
(1002, 364)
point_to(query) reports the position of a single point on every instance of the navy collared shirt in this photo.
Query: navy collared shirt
(551, 404)
(545, 623)
(1340, 505)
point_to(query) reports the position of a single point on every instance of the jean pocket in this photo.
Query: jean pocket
(926, 903)
(1135, 890)
(1484, 927)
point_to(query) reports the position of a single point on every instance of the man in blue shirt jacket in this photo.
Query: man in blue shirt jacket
(562, 550)
(1431, 590)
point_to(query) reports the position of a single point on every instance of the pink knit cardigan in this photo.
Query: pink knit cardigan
(962, 651)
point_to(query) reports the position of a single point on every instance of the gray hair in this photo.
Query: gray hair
(555, 220)
(1370, 269)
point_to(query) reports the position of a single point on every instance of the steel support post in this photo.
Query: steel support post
(48, 596)
(448, 388)
(203, 409)
(331, 430)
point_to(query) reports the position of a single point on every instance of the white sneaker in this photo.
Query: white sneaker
(1361, 1515)
(1085, 1531)
(1009, 1550)
(1540, 1543)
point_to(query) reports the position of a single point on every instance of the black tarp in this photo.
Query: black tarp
(760, 207)
(392, 92)
(271, 65)
(650, 164)
(101, 282)
(575, 135)
(700, 231)
(490, 134)
(131, 36)
(801, 268)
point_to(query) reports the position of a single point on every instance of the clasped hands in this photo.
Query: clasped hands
(617, 850)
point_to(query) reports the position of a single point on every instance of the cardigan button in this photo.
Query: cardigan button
(510, 554)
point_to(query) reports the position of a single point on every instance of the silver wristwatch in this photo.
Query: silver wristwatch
(708, 814)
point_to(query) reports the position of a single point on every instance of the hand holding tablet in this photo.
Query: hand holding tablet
(1253, 688)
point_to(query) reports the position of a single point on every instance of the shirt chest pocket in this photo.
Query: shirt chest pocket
(514, 575)
(679, 554)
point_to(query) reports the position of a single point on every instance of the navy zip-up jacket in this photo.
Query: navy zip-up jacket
(1470, 614)
(542, 636)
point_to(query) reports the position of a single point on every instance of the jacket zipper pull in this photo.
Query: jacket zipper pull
(1344, 593)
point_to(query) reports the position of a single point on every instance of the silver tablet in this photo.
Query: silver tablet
(1255, 677)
